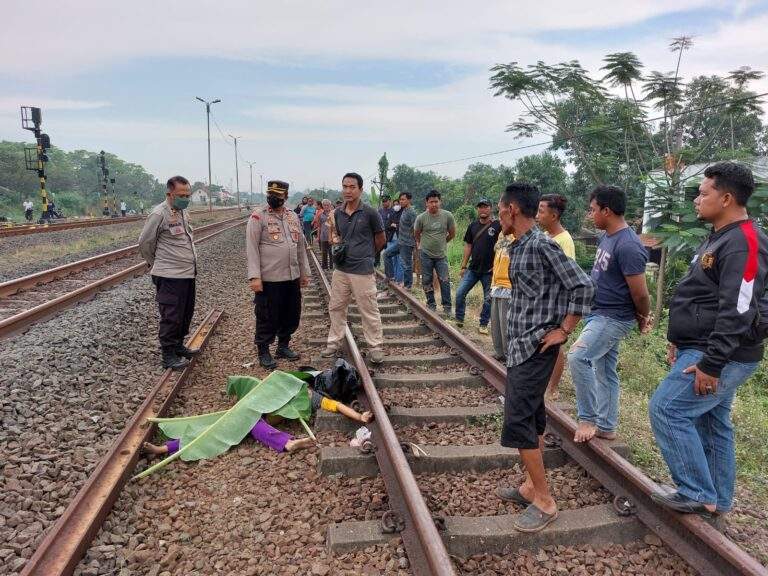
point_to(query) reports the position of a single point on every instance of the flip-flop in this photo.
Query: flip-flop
(533, 519)
(512, 495)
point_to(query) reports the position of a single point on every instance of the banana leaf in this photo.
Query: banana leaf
(186, 425)
(278, 393)
(241, 385)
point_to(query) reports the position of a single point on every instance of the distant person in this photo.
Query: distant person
(358, 233)
(477, 263)
(501, 292)
(323, 220)
(141, 206)
(385, 211)
(29, 209)
(551, 210)
(301, 205)
(307, 217)
(123, 208)
(167, 246)
(550, 293)
(277, 271)
(392, 268)
(433, 229)
(717, 324)
(405, 239)
(621, 300)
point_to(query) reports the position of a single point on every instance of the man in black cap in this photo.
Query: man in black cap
(277, 270)
(477, 263)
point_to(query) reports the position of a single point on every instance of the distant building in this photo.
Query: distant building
(199, 196)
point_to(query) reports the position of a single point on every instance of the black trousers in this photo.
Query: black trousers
(325, 251)
(176, 303)
(278, 311)
(525, 417)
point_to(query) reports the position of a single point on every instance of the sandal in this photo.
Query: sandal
(533, 519)
(512, 495)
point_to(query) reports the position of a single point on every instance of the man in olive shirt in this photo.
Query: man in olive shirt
(433, 229)
(359, 229)
(277, 270)
(167, 246)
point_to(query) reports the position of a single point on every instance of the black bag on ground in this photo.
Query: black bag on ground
(341, 383)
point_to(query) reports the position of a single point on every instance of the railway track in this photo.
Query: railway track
(26, 229)
(35, 297)
(433, 379)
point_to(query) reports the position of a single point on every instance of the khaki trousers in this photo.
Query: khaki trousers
(363, 288)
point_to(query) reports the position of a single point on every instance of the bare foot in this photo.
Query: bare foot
(553, 395)
(298, 444)
(526, 491)
(366, 417)
(585, 432)
(154, 450)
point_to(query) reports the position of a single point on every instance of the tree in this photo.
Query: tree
(547, 171)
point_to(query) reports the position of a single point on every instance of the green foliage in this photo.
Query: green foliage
(465, 213)
(585, 255)
(73, 180)
(280, 394)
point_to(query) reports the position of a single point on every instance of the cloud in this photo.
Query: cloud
(90, 33)
(11, 104)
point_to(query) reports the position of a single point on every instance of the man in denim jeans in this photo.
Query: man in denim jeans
(433, 229)
(477, 263)
(405, 239)
(716, 328)
(621, 299)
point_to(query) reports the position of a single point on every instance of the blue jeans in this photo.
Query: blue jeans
(466, 284)
(392, 266)
(592, 360)
(695, 433)
(308, 231)
(406, 263)
(443, 275)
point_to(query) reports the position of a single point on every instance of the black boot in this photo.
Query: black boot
(283, 351)
(172, 360)
(266, 360)
(185, 352)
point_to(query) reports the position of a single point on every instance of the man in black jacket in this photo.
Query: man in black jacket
(714, 346)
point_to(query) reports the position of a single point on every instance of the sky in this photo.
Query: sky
(315, 89)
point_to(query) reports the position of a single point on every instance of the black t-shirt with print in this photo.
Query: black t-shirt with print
(481, 259)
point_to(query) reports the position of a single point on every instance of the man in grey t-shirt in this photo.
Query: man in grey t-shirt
(405, 238)
(358, 227)
(433, 229)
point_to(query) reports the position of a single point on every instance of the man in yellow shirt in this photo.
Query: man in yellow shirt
(551, 209)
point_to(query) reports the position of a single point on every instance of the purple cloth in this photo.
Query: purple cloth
(262, 432)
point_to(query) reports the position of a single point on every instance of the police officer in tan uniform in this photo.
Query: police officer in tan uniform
(277, 270)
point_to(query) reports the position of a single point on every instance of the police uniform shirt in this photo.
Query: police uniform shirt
(166, 243)
(275, 246)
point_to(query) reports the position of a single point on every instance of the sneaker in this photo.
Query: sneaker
(483, 330)
(266, 360)
(459, 323)
(283, 351)
(376, 355)
(329, 352)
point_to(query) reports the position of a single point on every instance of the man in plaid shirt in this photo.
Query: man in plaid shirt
(550, 294)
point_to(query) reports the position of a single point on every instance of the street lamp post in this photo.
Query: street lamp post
(237, 172)
(208, 117)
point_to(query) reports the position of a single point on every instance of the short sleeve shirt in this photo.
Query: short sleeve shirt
(619, 254)
(481, 258)
(565, 241)
(405, 227)
(434, 229)
(357, 232)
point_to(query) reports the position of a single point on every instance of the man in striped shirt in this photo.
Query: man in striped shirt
(550, 294)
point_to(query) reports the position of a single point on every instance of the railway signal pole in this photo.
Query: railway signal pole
(114, 197)
(208, 118)
(35, 158)
(237, 172)
(104, 177)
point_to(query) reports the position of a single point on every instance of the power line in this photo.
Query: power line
(590, 132)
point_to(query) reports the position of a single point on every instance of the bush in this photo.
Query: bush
(585, 255)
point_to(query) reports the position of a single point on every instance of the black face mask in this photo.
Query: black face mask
(275, 202)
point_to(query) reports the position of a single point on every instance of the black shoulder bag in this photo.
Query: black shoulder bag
(339, 251)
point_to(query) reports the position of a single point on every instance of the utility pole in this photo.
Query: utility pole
(114, 198)
(208, 118)
(250, 170)
(237, 172)
(104, 176)
(35, 158)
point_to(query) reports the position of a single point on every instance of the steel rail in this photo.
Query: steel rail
(23, 320)
(43, 277)
(697, 542)
(426, 550)
(67, 541)
(25, 229)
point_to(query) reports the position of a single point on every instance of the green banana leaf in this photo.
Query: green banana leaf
(275, 394)
(187, 425)
(241, 385)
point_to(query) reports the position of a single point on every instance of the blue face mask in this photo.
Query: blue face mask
(180, 203)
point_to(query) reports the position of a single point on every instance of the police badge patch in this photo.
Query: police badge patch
(707, 260)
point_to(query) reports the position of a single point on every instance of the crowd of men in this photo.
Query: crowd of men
(535, 297)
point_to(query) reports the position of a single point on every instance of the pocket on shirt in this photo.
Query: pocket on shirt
(528, 282)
